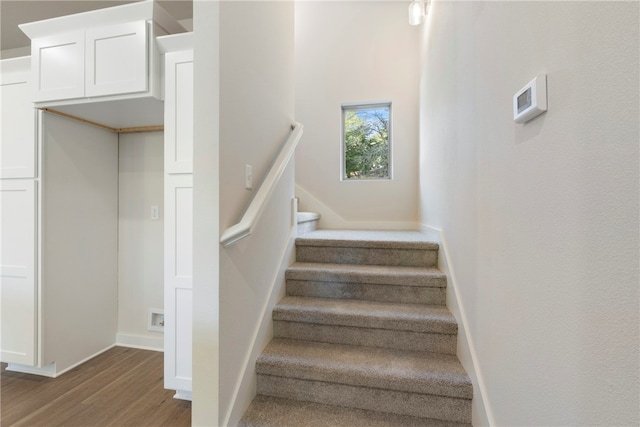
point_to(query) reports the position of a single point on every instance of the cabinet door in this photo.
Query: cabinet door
(17, 115)
(178, 256)
(178, 112)
(57, 65)
(18, 295)
(117, 59)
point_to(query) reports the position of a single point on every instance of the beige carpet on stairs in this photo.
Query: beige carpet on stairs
(363, 338)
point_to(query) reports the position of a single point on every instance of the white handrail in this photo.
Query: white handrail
(243, 228)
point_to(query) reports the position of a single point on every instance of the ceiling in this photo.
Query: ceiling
(14, 12)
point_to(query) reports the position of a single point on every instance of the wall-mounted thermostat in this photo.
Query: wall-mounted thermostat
(531, 100)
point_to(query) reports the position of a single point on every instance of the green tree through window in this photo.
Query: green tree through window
(366, 141)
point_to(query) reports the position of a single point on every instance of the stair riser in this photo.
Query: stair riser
(369, 292)
(395, 402)
(404, 340)
(266, 411)
(310, 372)
(375, 275)
(369, 256)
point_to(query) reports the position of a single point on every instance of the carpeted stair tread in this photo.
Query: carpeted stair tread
(366, 314)
(367, 239)
(363, 338)
(392, 369)
(267, 411)
(371, 399)
(372, 274)
(367, 247)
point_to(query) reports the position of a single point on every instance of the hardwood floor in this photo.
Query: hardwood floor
(121, 387)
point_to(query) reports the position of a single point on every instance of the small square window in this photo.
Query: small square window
(366, 141)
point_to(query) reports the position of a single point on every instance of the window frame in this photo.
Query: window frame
(343, 143)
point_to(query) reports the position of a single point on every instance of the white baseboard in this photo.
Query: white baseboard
(183, 395)
(46, 371)
(140, 341)
(50, 369)
(483, 414)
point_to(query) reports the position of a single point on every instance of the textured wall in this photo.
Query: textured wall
(540, 219)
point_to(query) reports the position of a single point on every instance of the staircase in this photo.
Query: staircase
(363, 338)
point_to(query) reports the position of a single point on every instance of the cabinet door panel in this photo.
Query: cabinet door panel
(178, 280)
(58, 66)
(17, 134)
(117, 59)
(18, 296)
(183, 315)
(179, 112)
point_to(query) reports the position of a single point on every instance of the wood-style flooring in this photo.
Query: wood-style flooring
(121, 387)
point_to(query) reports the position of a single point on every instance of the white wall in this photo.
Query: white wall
(140, 239)
(206, 205)
(356, 52)
(15, 53)
(256, 112)
(243, 71)
(540, 220)
(79, 240)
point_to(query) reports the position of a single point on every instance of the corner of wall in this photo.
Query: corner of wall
(482, 413)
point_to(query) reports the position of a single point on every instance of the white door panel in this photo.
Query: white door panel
(58, 66)
(117, 59)
(18, 291)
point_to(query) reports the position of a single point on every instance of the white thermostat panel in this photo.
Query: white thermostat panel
(531, 100)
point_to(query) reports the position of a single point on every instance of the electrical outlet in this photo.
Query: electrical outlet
(155, 213)
(155, 321)
(248, 177)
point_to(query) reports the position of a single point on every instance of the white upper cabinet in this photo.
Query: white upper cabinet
(106, 54)
(109, 60)
(17, 131)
